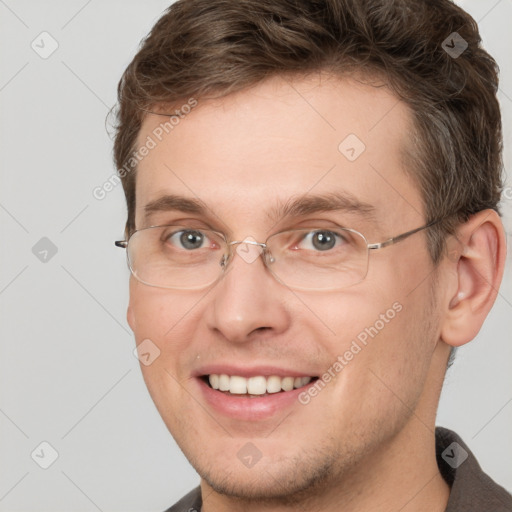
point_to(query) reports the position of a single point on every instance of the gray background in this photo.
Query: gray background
(67, 372)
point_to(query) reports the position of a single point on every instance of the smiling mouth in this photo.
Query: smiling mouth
(256, 386)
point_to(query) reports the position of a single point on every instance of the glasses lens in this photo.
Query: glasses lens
(319, 259)
(176, 256)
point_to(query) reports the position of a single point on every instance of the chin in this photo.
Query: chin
(286, 480)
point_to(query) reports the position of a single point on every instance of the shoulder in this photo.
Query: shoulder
(472, 490)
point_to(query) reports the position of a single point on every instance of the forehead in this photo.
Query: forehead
(254, 150)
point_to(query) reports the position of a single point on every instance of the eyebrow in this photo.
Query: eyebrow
(294, 207)
(335, 201)
(174, 203)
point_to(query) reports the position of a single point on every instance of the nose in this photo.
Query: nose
(247, 299)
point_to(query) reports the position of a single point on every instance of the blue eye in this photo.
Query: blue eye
(321, 240)
(189, 239)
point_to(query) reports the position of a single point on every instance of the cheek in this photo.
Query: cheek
(169, 320)
(358, 315)
(382, 336)
(390, 372)
(156, 312)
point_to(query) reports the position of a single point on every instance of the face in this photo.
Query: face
(244, 158)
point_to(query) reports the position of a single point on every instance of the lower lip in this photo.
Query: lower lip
(250, 408)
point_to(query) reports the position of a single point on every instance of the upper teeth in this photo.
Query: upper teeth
(255, 385)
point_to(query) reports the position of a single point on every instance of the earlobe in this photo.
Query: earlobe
(478, 272)
(130, 317)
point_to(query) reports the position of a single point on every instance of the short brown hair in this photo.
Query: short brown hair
(211, 48)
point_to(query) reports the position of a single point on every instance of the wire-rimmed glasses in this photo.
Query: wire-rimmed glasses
(185, 257)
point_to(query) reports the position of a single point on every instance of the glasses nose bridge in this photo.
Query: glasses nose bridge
(250, 242)
(265, 253)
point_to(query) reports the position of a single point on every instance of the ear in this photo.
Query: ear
(130, 317)
(477, 269)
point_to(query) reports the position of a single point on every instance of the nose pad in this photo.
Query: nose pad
(224, 261)
(249, 250)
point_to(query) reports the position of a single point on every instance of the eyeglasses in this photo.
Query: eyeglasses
(183, 257)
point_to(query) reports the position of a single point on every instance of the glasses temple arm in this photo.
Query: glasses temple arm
(398, 238)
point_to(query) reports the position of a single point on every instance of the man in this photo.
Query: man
(313, 227)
